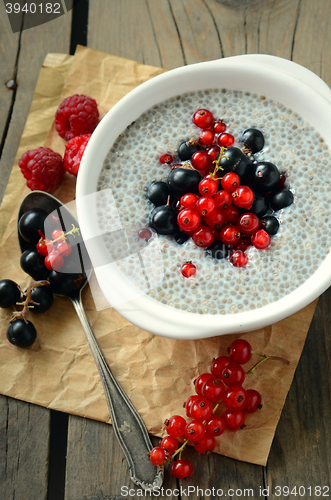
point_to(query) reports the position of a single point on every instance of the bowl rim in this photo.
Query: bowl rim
(144, 311)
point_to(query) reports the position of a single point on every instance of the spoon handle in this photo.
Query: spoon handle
(127, 423)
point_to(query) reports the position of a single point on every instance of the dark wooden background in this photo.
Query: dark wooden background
(49, 455)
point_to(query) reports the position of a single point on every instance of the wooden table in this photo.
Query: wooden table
(46, 454)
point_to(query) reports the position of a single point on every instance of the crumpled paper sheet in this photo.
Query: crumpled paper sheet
(58, 371)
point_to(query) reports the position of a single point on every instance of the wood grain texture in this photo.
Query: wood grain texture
(24, 448)
(96, 466)
(301, 454)
(9, 45)
(35, 43)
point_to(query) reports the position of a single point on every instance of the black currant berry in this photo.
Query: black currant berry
(163, 220)
(62, 283)
(181, 237)
(30, 223)
(32, 263)
(44, 297)
(9, 293)
(252, 139)
(260, 205)
(281, 199)
(158, 193)
(21, 333)
(187, 148)
(265, 176)
(219, 250)
(234, 160)
(270, 224)
(183, 180)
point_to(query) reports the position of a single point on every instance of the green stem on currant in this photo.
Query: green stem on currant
(217, 164)
(28, 303)
(72, 232)
(265, 358)
(180, 450)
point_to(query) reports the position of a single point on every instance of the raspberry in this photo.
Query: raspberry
(42, 168)
(76, 115)
(74, 150)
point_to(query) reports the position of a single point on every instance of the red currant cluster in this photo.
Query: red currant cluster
(221, 196)
(56, 249)
(218, 390)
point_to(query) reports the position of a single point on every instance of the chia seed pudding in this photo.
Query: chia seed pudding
(296, 251)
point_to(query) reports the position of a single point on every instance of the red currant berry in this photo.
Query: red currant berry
(169, 444)
(166, 158)
(206, 445)
(216, 219)
(203, 118)
(248, 223)
(282, 181)
(233, 374)
(219, 127)
(240, 351)
(145, 234)
(195, 430)
(57, 233)
(243, 197)
(234, 419)
(201, 160)
(222, 199)
(238, 258)
(176, 426)
(203, 236)
(219, 364)
(213, 178)
(242, 245)
(188, 200)
(213, 152)
(199, 382)
(215, 425)
(207, 187)
(157, 456)
(188, 270)
(206, 138)
(205, 206)
(225, 140)
(231, 214)
(63, 248)
(213, 389)
(230, 181)
(44, 246)
(261, 239)
(181, 469)
(229, 235)
(253, 401)
(188, 220)
(54, 261)
(235, 397)
(189, 403)
(201, 410)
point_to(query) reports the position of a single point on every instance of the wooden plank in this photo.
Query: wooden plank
(96, 466)
(24, 448)
(9, 46)
(35, 43)
(300, 455)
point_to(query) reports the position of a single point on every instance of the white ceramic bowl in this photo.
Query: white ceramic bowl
(279, 79)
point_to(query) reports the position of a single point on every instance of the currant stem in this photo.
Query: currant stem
(265, 358)
(26, 303)
(72, 231)
(180, 450)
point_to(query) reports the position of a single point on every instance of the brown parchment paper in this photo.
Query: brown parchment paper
(58, 371)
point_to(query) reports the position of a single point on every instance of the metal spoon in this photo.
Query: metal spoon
(127, 423)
